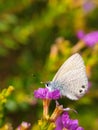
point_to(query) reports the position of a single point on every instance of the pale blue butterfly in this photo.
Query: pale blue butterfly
(71, 78)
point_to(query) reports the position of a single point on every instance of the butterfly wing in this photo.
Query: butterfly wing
(74, 84)
(73, 62)
(71, 78)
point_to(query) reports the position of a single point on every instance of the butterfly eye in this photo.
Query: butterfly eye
(83, 86)
(80, 91)
(47, 84)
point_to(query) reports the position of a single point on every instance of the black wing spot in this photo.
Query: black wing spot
(83, 86)
(80, 91)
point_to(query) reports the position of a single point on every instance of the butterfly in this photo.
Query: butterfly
(71, 79)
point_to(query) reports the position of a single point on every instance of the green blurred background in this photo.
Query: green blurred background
(36, 37)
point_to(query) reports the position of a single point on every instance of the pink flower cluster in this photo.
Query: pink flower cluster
(64, 121)
(44, 93)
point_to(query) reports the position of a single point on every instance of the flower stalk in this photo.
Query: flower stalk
(46, 103)
(43, 124)
(59, 119)
(58, 110)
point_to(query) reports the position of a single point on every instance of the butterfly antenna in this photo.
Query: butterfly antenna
(33, 75)
(42, 82)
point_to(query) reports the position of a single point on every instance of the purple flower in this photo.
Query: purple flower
(24, 125)
(59, 124)
(88, 6)
(41, 93)
(89, 85)
(64, 121)
(79, 128)
(90, 39)
(80, 34)
(44, 93)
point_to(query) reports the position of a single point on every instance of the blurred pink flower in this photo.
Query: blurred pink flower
(89, 39)
(89, 85)
(24, 125)
(88, 5)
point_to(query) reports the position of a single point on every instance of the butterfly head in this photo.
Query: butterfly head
(49, 85)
